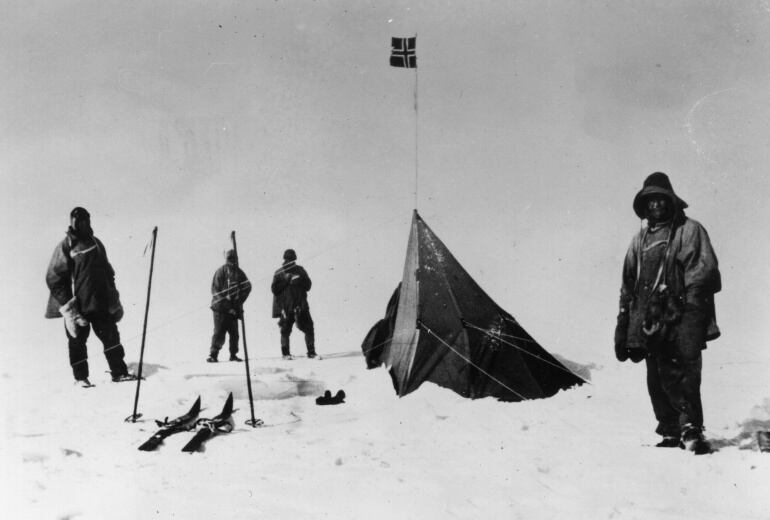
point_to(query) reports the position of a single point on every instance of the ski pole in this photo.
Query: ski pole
(253, 422)
(134, 416)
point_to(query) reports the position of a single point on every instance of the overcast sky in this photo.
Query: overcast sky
(538, 122)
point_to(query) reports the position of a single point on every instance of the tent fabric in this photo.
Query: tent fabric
(448, 331)
(380, 333)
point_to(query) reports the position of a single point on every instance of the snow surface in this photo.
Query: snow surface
(586, 453)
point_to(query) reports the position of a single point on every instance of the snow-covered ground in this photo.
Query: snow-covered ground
(586, 453)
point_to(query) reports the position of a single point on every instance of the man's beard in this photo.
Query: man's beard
(654, 220)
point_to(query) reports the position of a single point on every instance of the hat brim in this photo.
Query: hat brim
(641, 198)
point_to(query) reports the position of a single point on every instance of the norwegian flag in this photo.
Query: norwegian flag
(403, 53)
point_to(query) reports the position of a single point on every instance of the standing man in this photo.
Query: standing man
(670, 276)
(229, 289)
(290, 286)
(82, 285)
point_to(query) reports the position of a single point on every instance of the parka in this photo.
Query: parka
(229, 288)
(79, 267)
(691, 275)
(290, 286)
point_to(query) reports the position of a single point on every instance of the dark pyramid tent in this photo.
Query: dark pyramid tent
(440, 326)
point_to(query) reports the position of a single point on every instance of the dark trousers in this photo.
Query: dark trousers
(224, 323)
(674, 387)
(106, 330)
(304, 323)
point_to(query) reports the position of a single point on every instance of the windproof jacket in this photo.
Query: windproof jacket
(290, 286)
(229, 288)
(79, 268)
(691, 275)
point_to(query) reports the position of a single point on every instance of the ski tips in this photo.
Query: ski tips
(228, 409)
(196, 407)
(222, 423)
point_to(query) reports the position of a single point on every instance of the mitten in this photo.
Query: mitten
(115, 309)
(72, 317)
(621, 335)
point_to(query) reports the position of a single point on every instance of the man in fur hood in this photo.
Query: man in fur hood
(670, 276)
(229, 289)
(290, 286)
(82, 285)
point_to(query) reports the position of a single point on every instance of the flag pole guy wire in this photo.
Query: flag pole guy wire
(253, 422)
(134, 416)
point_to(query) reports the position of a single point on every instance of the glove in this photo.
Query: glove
(117, 313)
(636, 354)
(621, 335)
(72, 317)
(115, 309)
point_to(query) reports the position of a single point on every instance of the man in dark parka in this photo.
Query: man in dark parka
(229, 289)
(82, 285)
(290, 286)
(670, 276)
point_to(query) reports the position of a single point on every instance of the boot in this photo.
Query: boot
(122, 378)
(310, 344)
(668, 442)
(285, 351)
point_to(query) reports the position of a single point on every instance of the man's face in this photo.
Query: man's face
(82, 226)
(658, 208)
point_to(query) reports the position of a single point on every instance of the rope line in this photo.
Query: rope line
(560, 367)
(493, 378)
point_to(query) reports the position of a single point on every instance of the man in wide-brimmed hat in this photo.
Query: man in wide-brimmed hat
(670, 276)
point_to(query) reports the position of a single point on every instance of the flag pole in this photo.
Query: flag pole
(416, 120)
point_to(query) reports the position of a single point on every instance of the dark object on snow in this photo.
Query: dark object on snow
(763, 441)
(222, 423)
(327, 398)
(448, 331)
(693, 440)
(182, 423)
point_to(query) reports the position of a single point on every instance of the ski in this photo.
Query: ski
(182, 423)
(222, 423)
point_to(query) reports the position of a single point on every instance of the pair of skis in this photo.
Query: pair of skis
(207, 428)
